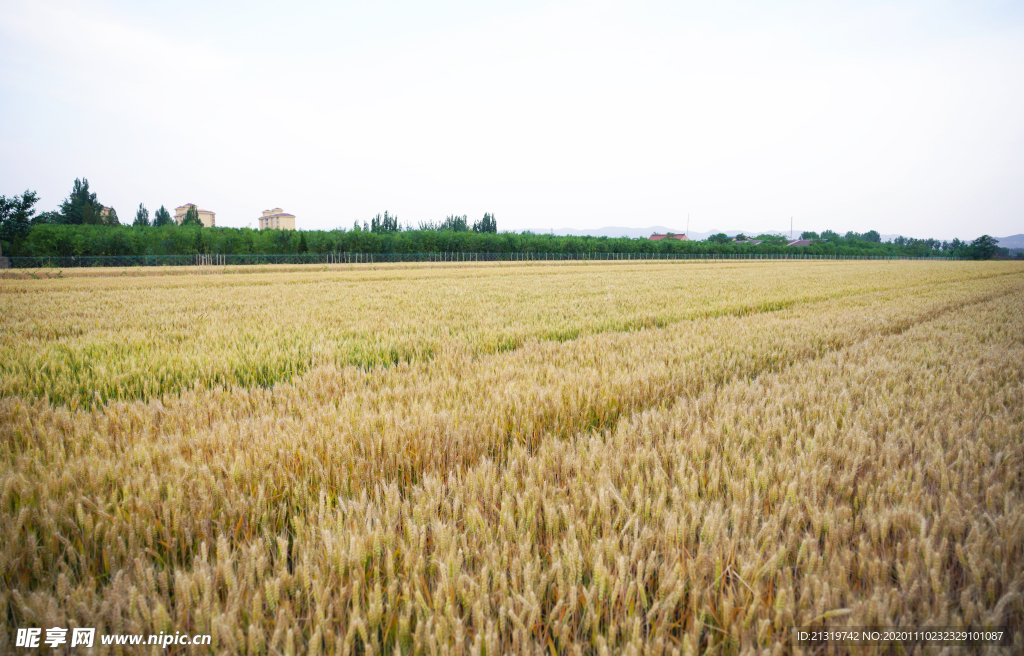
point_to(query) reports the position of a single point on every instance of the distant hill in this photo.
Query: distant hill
(1014, 241)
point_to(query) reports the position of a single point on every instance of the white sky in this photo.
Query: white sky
(903, 117)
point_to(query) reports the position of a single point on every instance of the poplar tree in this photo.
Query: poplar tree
(488, 224)
(81, 207)
(141, 216)
(192, 217)
(386, 223)
(108, 216)
(162, 217)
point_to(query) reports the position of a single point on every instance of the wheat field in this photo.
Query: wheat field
(586, 459)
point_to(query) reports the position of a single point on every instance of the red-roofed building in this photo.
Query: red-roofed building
(669, 236)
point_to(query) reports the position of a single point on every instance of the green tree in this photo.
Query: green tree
(162, 217)
(872, 236)
(16, 217)
(81, 207)
(455, 223)
(384, 223)
(45, 239)
(51, 217)
(192, 217)
(108, 216)
(488, 224)
(984, 248)
(720, 238)
(141, 216)
(807, 234)
(452, 222)
(303, 246)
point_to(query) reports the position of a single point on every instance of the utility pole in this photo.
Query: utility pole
(791, 228)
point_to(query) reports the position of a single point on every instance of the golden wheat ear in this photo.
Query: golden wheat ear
(622, 458)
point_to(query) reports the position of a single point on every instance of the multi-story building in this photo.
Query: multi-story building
(277, 218)
(206, 216)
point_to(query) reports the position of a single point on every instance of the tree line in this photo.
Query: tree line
(48, 240)
(84, 227)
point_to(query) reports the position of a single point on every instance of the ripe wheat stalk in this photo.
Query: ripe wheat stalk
(617, 459)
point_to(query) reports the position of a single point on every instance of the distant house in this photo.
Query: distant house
(752, 242)
(669, 236)
(801, 242)
(207, 217)
(277, 219)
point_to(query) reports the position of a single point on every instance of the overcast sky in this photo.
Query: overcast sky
(903, 117)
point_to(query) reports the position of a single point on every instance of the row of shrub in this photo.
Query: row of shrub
(46, 240)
